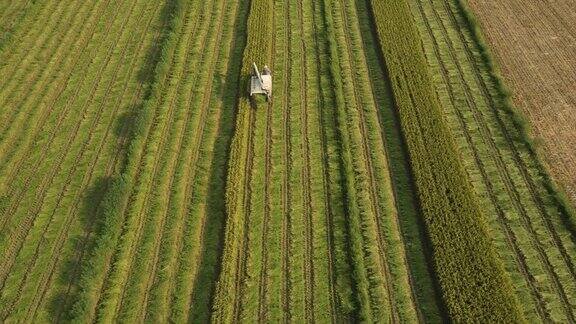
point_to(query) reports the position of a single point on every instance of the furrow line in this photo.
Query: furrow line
(308, 223)
(192, 160)
(69, 178)
(329, 215)
(120, 144)
(200, 130)
(111, 169)
(36, 130)
(39, 39)
(88, 176)
(286, 188)
(11, 191)
(43, 85)
(393, 186)
(30, 80)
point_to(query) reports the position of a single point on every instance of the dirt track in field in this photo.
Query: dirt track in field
(534, 43)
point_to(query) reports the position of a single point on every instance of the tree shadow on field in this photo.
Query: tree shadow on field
(70, 269)
(146, 73)
(228, 91)
(89, 212)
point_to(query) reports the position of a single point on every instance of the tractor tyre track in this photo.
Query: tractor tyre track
(242, 256)
(263, 283)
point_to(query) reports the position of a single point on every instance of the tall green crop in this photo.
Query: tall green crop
(473, 282)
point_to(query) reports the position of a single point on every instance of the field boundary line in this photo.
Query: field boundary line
(521, 166)
(510, 236)
(535, 195)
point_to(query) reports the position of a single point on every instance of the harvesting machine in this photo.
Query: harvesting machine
(261, 83)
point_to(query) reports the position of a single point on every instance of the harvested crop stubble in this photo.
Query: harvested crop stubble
(537, 60)
(472, 279)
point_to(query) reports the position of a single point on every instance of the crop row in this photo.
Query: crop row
(28, 76)
(13, 129)
(534, 245)
(138, 238)
(258, 49)
(12, 15)
(150, 273)
(294, 278)
(110, 221)
(106, 164)
(392, 279)
(473, 282)
(305, 275)
(42, 230)
(410, 223)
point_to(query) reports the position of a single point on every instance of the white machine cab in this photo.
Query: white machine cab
(261, 83)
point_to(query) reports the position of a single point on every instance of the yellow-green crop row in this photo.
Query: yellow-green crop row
(474, 285)
(259, 50)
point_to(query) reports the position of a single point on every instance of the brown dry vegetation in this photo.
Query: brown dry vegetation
(534, 43)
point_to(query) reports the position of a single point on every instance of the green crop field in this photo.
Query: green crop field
(388, 178)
